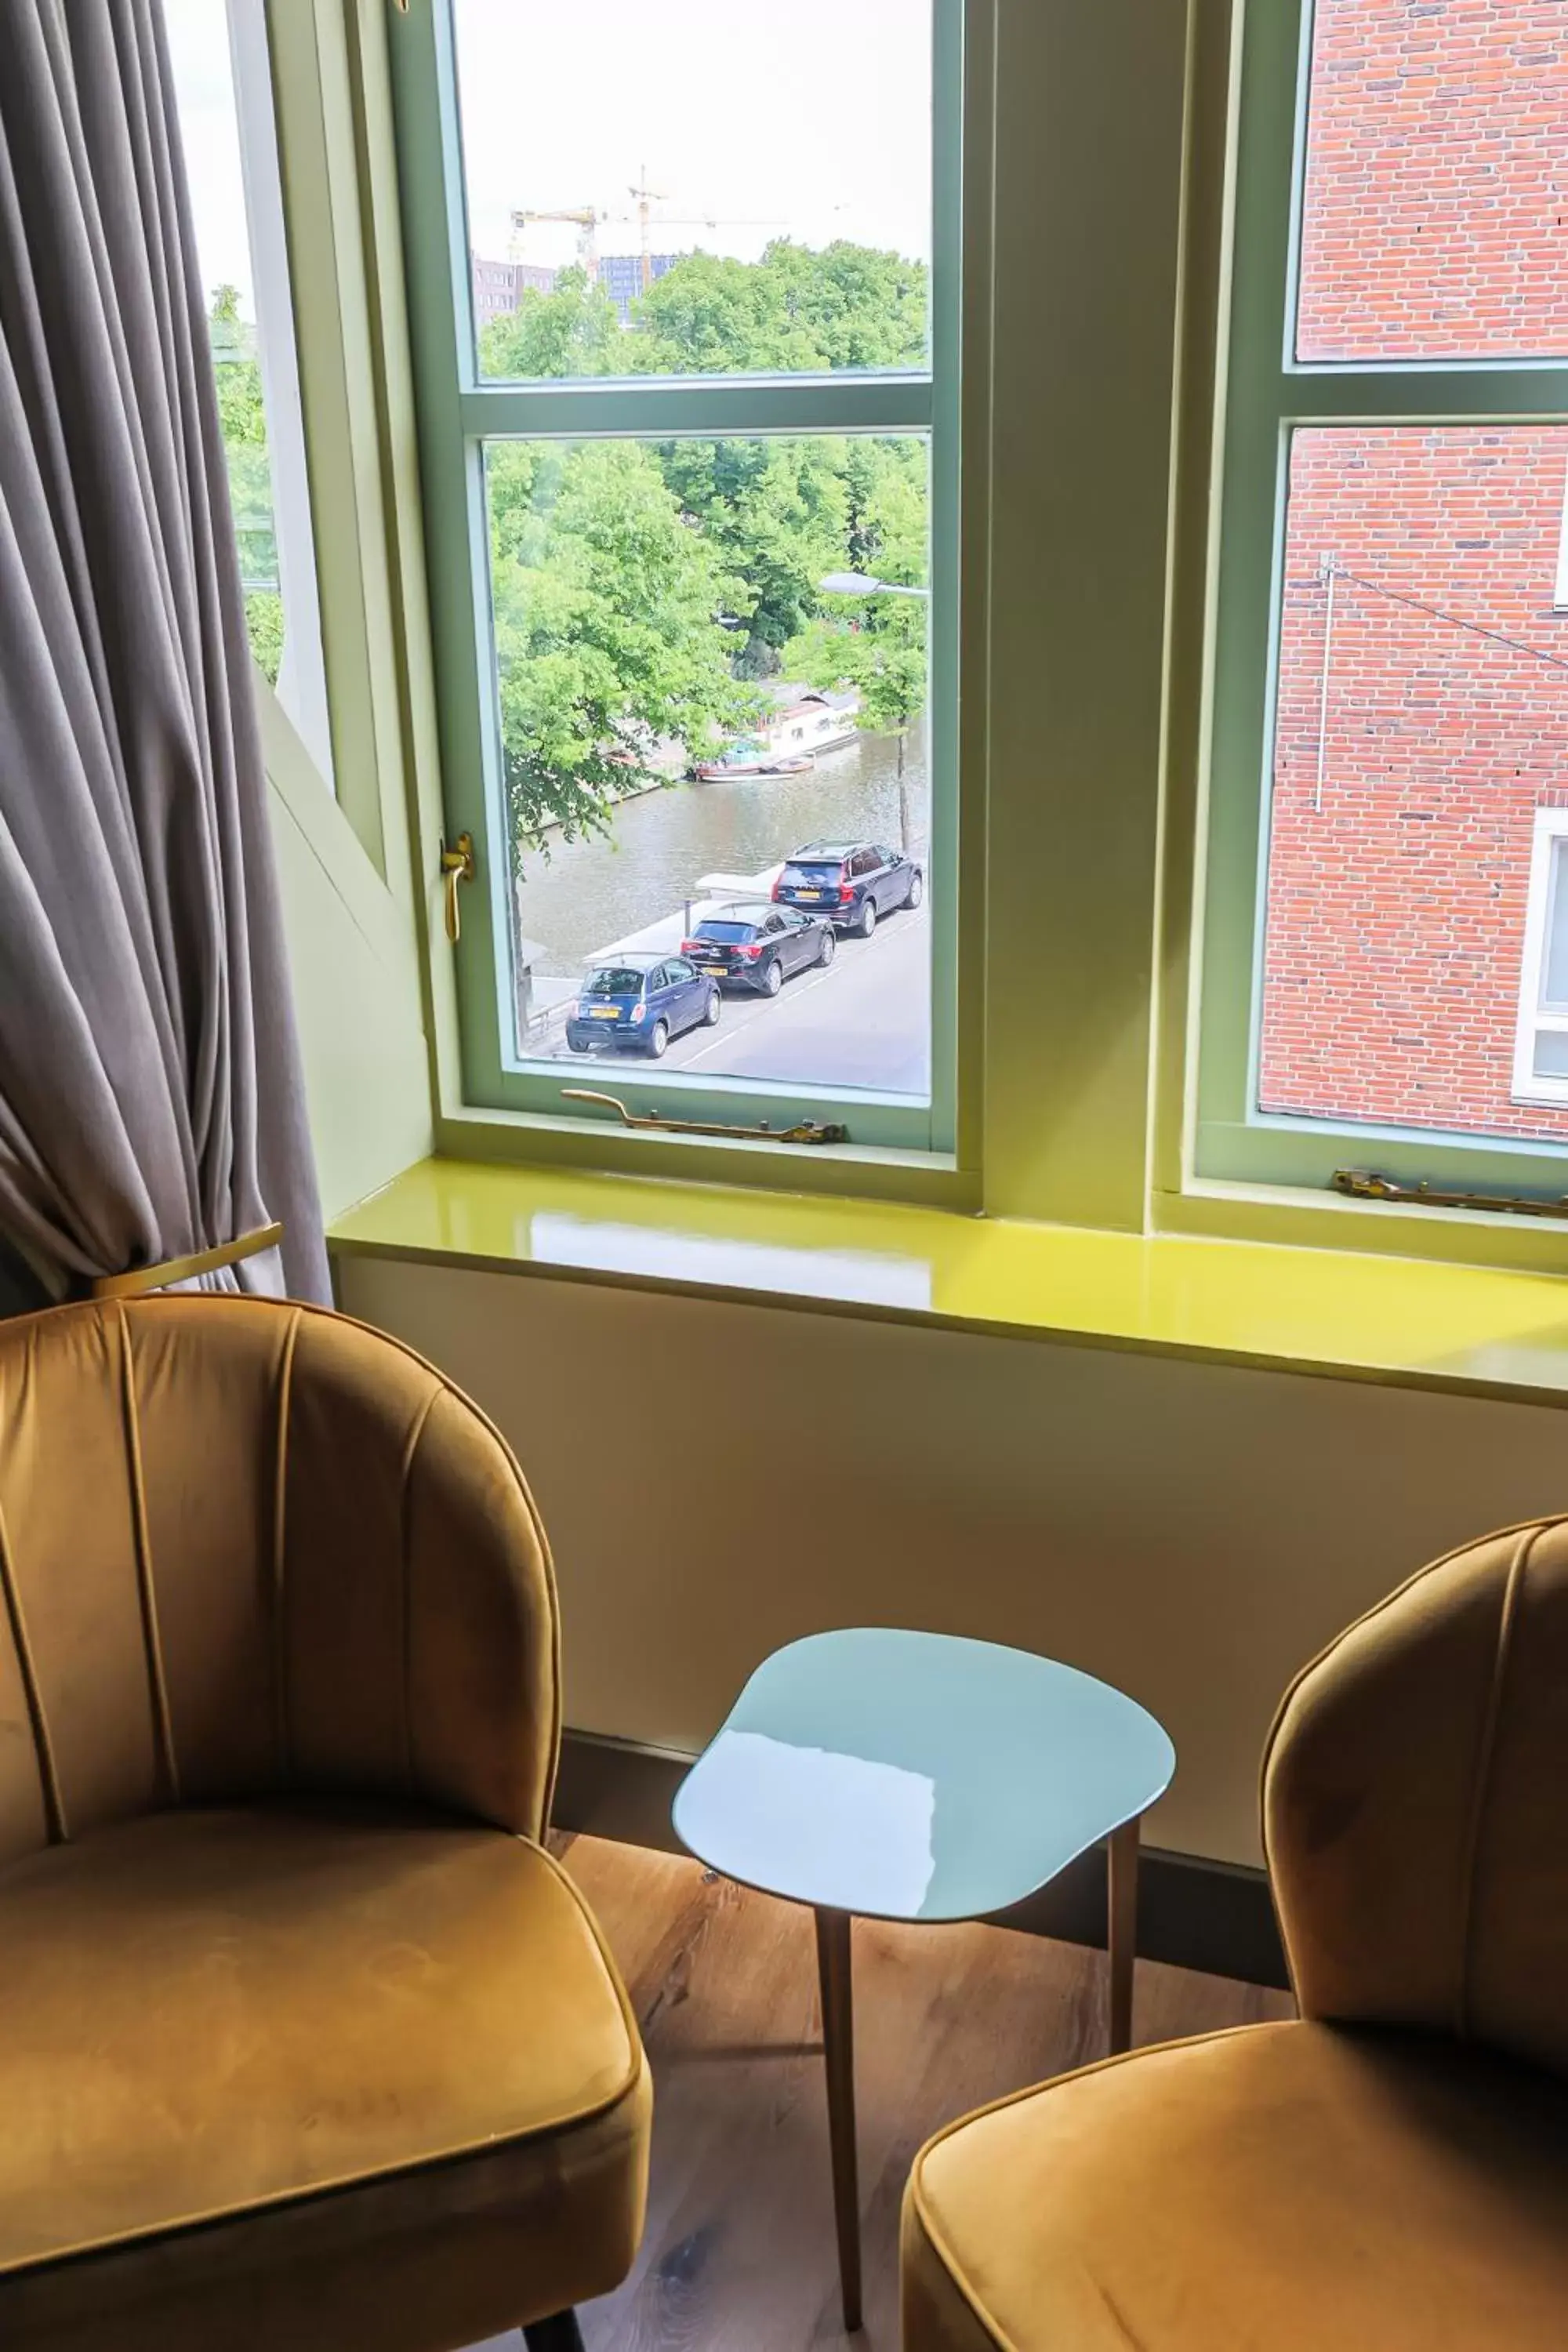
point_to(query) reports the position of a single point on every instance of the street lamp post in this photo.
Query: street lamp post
(860, 583)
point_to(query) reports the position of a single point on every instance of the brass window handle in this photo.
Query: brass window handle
(457, 866)
(805, 1130)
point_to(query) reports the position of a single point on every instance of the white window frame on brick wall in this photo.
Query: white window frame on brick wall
(1537, 1015)
(1561, 597)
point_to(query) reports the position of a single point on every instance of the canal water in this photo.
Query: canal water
(588, 893)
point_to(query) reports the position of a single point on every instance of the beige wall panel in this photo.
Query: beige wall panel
(357, 1004)
(1089, 134)
(717, 1478)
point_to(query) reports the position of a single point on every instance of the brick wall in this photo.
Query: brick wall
(1436, 224)
(1436, 198)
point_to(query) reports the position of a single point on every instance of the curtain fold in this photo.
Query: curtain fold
(151, 1098)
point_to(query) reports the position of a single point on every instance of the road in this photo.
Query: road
(589, 892)
(863, 1022)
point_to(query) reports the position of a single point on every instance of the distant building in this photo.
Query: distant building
(499, 287)
(620, 275)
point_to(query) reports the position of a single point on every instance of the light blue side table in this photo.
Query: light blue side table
(898, 1774)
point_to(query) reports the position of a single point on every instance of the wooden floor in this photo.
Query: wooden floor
(739, 2252)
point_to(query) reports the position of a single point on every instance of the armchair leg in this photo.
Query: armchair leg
(561, 2334)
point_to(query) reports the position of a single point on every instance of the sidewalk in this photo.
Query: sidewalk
(547, 1030)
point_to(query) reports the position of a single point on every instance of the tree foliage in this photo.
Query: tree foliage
(572, 331)
(807, 312)
(242, 419)
(604, 599)
(640, 591)
(883, 659)
(877, 644)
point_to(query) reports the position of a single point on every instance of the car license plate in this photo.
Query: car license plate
(715, 970)
(808, 893)
(604, 1012)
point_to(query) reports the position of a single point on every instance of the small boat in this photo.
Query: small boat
(750, 758)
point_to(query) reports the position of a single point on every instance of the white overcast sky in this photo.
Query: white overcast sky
(812, 121)
(204, 88)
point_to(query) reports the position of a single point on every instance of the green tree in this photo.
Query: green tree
(574, 331)
(878, 646)
(884, 661)
(639, 590)
(778, 513)
(264, 627)
(847, 306)
(609, 633)
(242, 419)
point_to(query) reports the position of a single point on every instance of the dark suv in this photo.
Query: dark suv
(759, 947)
(853, 882)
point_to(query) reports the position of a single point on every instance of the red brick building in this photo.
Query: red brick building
(1423, 700)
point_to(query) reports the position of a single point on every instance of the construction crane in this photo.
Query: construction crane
(586, 222)
(646, 198)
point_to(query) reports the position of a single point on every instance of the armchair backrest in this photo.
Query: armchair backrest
(246, 1549)
(1415, 1805)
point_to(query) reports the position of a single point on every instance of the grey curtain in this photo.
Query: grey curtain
(151, 1102)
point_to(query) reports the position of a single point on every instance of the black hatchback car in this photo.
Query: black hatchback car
(759, 947)
(853, 882)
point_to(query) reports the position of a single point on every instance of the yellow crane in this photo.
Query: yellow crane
(647, 197)
(586, 222)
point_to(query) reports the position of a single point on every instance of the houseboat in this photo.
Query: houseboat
(805, 721)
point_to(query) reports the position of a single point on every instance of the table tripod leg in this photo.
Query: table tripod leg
(839, 2050)
(1122, 1936)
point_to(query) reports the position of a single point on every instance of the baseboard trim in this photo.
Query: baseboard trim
(1193, 1913)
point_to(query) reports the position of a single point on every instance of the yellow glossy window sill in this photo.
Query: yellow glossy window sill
(1334, 1313)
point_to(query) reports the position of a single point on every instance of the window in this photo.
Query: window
(223, 88)
(1541, 1054)
(1390, 693)
(686, 344)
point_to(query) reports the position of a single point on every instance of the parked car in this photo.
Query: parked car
(853, 882)
(638, 1003)
(759, 947)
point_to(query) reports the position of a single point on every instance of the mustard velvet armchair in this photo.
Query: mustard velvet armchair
(305, 2041)
(1389, 2174)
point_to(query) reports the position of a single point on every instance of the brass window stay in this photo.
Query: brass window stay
(1367, 1184)
(805, 1130)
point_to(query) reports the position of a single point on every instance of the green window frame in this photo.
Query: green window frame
(1268, 393)
(459, 412)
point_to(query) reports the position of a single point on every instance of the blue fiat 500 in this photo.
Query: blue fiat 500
(635, 1004)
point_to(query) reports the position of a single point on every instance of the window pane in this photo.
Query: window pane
(1552, 1053)
(697, 188)
(224, 93)
(1433, 223)
(1423, 719)
(1554, 978)
(683, 710)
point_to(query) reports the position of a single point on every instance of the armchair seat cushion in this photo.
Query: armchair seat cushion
(1278, 2189)
(208, 2014)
